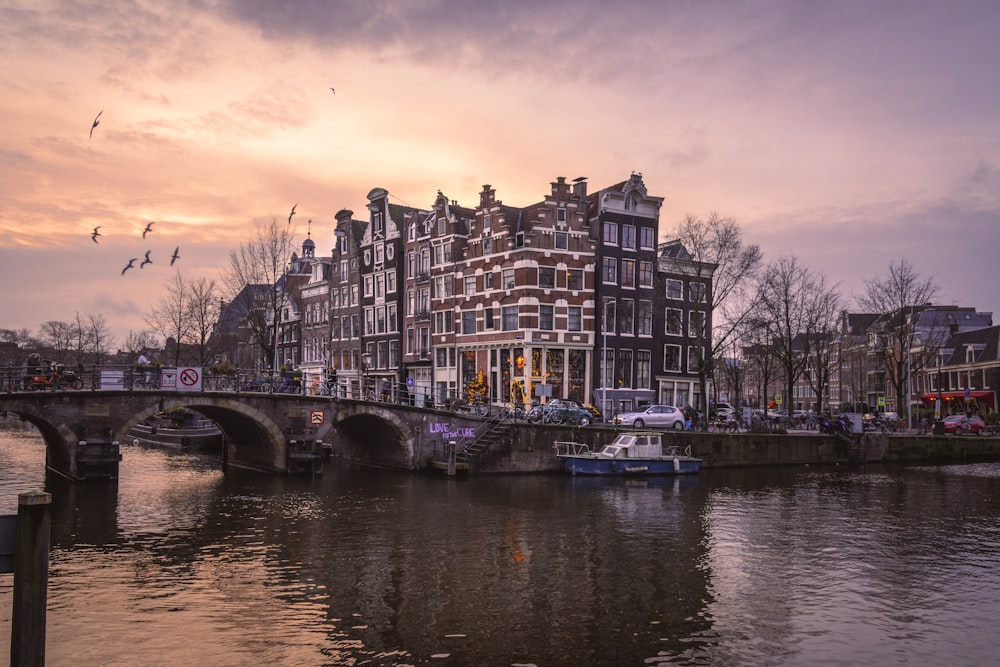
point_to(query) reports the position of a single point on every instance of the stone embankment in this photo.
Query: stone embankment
(530, 449)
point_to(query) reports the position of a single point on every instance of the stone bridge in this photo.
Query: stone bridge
(277, 433)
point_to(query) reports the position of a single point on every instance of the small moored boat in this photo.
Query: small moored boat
(634, 454)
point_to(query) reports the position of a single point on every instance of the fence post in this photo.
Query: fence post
(31, 579)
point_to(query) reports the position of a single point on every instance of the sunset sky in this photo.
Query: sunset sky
(846, 133)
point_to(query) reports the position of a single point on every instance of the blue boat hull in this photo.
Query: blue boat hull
(585, 465)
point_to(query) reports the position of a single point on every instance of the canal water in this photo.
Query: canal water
(179, 564)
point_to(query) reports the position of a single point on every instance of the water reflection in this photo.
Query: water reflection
(177, 563)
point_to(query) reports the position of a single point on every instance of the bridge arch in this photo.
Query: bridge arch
(253, 439)
(372, 435)
(60, 439)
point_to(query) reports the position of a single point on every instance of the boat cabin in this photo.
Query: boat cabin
(633, 446)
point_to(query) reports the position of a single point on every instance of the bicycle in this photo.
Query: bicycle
(146, 383)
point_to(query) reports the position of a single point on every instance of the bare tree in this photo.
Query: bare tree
(136, 342)
(204, 307)
(789, 298)
(58, 336)
(78, 331)
(820, 343)
(170, 316)
(99, 337)
(259, 264)
(717, 251)
(896, 297)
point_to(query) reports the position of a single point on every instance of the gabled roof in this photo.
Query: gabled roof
(985, 342)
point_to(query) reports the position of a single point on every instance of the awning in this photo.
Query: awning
(955, 395)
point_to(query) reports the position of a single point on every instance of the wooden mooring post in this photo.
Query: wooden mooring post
(31, 579)
(452, 453)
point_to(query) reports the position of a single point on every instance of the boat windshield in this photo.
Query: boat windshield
(610, 451)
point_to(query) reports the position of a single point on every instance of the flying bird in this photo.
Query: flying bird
(95, 233)
(96, 123)
(146, 261)
(291, 214)
(130, 264)
(175, 256)
(149, 228)
(334, 91)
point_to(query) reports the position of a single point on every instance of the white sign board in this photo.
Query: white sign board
(112, 379)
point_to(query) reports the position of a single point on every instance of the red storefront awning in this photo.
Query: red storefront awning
(953, 395)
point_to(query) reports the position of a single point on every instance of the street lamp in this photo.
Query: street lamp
(366, 362)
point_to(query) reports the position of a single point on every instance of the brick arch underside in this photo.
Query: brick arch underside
(375, 438)
(57, 436)
(253, 439)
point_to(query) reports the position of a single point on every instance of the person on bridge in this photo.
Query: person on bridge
(142, 365)
(288, 378)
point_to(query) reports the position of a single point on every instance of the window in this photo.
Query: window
(519, 240)
(369, 321)
(369, 285)
(546, 318)
(442, 226)
(509, 315)
(696, 323)
(644, 318)
(488, 318)
(671, 357)
(646, 238)
(611, 233)
(562, 240)
(642, 368)
(626, 311)
(390, 315)
(628, 237)
(380, 286)
(468, 321)
(488, 280)
(628, 273)
(675, 289)
(624, 368)
(674, 322)
(377, 222)
(694, 358)
(379, 253)
(546, 277)
(697, 292)
(487, 245)
(561, 215)
(610, 270)
(507, 279)
(470, 285)
(390, 281)
(380, 320)
(608, 370)
(645, 274)
(574, 279)
(610, 318)
(411, 265)
(575, 318)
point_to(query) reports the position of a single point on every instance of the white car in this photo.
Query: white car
(666, 416)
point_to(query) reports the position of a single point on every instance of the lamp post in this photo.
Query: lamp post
(366, 361)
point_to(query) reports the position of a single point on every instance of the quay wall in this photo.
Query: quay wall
(530, 449)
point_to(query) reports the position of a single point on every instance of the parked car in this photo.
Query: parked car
(563, 410)
(961, 424)
(666, 416)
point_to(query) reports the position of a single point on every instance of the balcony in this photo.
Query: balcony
(422, 277)
(422, 316)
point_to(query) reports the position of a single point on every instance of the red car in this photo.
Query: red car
(961, 424)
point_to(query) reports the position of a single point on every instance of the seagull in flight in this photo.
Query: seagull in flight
(146, 261)
(96, 123)
(95, 233)
(149, 228)
(130, 264)
(291, 214)
(175, 256)
(334, 91)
